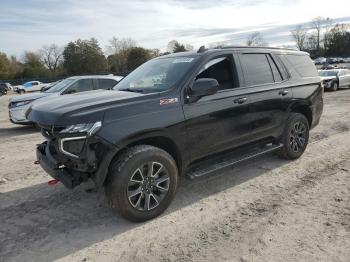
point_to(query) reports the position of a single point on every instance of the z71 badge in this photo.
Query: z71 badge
(167, 101)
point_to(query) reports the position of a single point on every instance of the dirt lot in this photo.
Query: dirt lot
(263, 210)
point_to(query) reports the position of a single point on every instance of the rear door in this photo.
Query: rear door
(220, 121)
(265, 79)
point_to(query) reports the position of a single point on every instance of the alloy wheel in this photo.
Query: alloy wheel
(148, 186)
(298, 137)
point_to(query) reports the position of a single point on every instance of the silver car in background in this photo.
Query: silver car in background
(19, 105)
(335, 78)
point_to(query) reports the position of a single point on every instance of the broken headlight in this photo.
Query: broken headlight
(88, 128)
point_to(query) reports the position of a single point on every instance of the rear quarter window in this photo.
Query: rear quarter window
(302, 64)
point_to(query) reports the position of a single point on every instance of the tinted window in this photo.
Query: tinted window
(81, 86)
(106, 83)
(276, 73)
(256, 69)
(219, 69)
(35, 83)
(302, 64)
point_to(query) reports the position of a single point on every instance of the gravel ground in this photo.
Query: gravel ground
(263, 210)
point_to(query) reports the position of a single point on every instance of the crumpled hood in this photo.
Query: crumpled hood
(328, 77)
(27, 97)
(86, 107)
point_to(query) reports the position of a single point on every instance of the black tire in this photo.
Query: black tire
(295, 137)
(21, 91)
(335, 86)
(125, 177)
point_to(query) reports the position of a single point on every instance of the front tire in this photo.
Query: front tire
(295, 137)
(141, 182)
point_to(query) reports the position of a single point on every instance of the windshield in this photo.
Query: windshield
(60, 86)
(328, 73)
(156, 75)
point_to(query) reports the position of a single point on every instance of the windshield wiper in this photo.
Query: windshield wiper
(131, 90)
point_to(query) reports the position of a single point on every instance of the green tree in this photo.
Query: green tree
(33, 67)
(338, 40)
(179, 47)
(137, 56)
(5, 67)
(84, 57)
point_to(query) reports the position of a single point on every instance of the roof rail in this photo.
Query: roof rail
(258, 47)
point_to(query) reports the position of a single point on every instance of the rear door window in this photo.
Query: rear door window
(256, 69)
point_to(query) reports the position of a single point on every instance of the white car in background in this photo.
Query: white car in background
(18, 105)
(31, 86)
(335, 78)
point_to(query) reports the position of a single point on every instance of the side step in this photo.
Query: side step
(228, 160)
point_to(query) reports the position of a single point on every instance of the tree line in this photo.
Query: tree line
(323, 38)
(81, 57)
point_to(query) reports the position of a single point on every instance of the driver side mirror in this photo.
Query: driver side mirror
(204, 87)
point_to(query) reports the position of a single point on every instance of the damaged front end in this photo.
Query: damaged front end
(74, 154)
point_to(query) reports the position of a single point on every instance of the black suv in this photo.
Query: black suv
(190, 113)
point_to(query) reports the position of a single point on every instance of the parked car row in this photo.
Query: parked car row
(331, 60)
(335, 79)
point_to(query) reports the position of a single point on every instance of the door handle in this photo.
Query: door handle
(283, 92)
(240, 100)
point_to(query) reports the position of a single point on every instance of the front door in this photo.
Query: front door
(218, 122)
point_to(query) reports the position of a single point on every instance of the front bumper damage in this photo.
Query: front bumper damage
(74, 160)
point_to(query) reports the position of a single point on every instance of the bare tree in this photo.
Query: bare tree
(51, 56)
(318, 24)
(117, 45)
(299, 34)
(255, 39)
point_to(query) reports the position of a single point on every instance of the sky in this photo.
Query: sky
(28, 25)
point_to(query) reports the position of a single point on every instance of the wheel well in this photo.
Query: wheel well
(304, 110)
(164, 143)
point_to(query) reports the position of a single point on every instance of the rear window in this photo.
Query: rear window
(302, 64)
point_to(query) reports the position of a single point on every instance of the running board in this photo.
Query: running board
(229, 160)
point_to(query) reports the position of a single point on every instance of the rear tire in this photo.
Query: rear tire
(335, 86)
(295, 137)
(141, 182)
